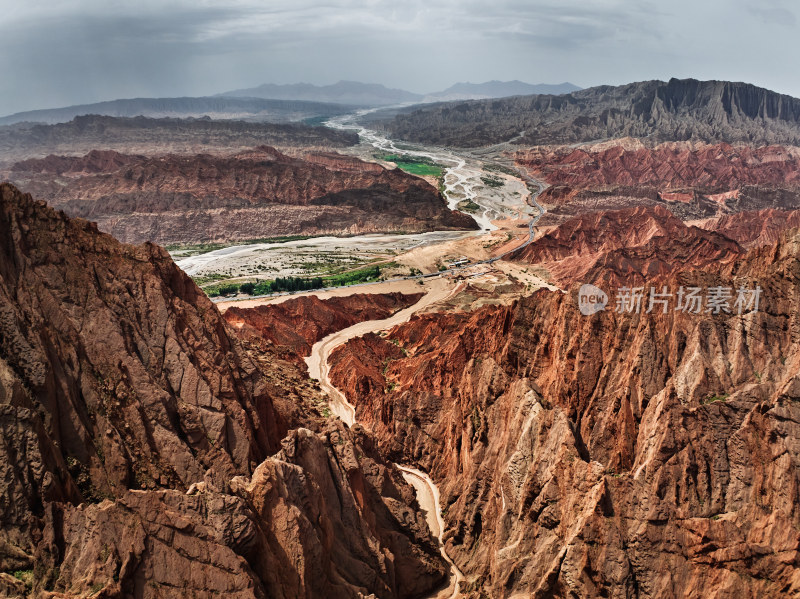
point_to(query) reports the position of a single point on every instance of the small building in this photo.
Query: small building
(459, 262)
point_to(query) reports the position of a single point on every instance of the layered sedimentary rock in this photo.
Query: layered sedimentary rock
(290, 328)
(720, 166)
(142, 441)
(254, 194)
(633, 243)
(754, 228)
(696, 181)
(619, 455)
(141, 135)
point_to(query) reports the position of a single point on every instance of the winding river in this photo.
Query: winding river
(461, 182)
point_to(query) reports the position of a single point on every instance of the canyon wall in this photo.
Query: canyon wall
(254, 194)
(290, 328)
(147, 451)
(656, 111)
(614, 455)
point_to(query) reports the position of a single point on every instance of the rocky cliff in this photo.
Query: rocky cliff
(633, 243)
(141, 135)
(147, 452)
(290, 328)
(675, 110)
(618, 455)
(695, 180)
(253, 194)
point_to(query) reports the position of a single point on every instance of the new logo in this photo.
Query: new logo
(591, 300)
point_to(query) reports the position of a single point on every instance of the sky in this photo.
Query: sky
(57, 53)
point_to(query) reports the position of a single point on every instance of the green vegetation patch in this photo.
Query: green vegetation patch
(421, 170)
(492, 181)
(468, 206)
(210, 278)
(282, 284)
(26, 576)
(362, 275)
(222, 289)
(414, 165)
(713, 398)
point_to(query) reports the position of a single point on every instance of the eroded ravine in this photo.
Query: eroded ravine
(427, 492)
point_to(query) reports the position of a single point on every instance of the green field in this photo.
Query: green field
(361, 275)
(422, 170)
(422, 167)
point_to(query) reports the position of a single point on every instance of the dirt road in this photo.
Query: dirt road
(439, 290)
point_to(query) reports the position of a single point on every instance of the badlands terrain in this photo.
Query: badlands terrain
(258, 193)
(450, 424)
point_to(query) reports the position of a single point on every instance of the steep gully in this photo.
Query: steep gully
(318, 367)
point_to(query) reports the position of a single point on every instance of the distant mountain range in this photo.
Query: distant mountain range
(282, 103)
(215, 107)
(655, 111)
(498, 89)
(372, 94)
(343, 92)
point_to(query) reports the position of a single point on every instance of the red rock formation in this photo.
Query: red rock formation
(695, 182)
(307, 524)
(96, 161)
(291, 327)
(614, 455)
(122, 388)
(253, 194)
(667, 166)
(342, 162)
(640, 242)
(753, 228)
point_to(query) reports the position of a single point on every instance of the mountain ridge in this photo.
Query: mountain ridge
(147, 449)
(499, 89)
(182, 107)
(658, 111)
(277, 103)
(253, 194)
(341, 92)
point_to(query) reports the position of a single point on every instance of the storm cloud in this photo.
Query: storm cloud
(59, 53)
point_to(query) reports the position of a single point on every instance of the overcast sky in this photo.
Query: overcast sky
(59, 52)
